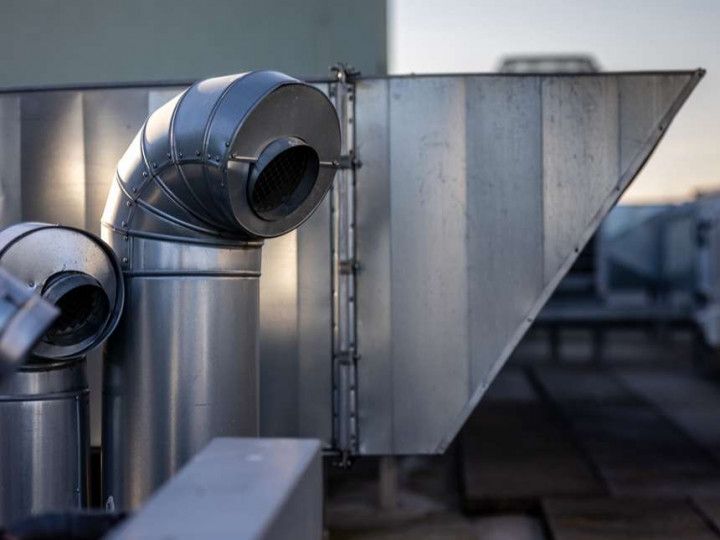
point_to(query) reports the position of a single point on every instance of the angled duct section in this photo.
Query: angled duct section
(230, 161)
(44, 414)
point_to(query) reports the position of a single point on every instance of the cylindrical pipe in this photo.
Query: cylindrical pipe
(230, 161)
(181, 370)
(43, 406)
(44, 440)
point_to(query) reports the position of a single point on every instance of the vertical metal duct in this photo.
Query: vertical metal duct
(43, 406)
(230, 161)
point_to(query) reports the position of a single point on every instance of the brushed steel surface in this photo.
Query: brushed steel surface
(475, 195)
(521, 175)
(44, 444)
(504, 185)
(53, 155)
(580, 160)
(373, 279)
(279, 366)
(428, 276)
(171, 384)
(643, 103)
(314, 327)
(261, 489)
(110, 120)
(10, 175)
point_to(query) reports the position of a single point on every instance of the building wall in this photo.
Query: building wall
(66, 42)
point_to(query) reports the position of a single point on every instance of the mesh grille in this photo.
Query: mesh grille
(280, 178)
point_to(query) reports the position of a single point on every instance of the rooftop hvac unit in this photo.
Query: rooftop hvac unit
(459, 202)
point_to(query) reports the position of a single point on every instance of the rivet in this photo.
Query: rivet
(31, 283)
(168, 155)
(154, 165)
(227, 144)
(128, 203)
(125, 237)
(197, 152)
(144, 174)
(180, 154)
(124, 260)
(123, 224)
(134, 189)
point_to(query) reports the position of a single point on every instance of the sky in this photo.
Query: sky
(471, 36)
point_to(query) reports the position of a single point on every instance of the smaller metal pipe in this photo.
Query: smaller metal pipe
(44, 421)
(44, 416)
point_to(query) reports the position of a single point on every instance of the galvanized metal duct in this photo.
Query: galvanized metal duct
(44, 405)
(73, 270)
(230, 161)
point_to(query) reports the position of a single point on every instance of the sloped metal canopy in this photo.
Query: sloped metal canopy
(475, 195)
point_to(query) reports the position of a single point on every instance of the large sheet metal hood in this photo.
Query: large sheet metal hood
(475, 195)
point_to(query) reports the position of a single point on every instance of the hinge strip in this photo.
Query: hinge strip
(344, 267)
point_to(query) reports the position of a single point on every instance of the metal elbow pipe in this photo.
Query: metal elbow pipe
(232, 159)
(227, 163)
(44, 412)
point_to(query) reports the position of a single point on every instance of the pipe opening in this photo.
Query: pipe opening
(282, 178)
(84, 309)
